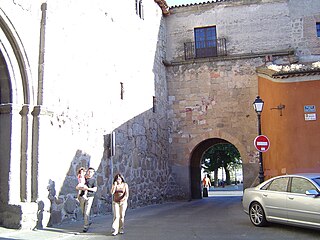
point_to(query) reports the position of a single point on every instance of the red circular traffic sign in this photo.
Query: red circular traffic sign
(262, 143)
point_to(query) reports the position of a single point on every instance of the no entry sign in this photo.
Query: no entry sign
(262, 143)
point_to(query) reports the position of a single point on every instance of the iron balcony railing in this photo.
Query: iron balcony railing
(204, 49)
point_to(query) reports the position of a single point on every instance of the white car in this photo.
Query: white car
(289, 199)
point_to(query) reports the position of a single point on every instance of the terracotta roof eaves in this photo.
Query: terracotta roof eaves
(195, 4)
(282, 74)
(164, 6)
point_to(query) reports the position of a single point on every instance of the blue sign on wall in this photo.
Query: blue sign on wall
(309, 108)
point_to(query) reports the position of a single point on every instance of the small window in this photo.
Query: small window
(121, 90)
(139, 9)
(318, 29)
(154, 104)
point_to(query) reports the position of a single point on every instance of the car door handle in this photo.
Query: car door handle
(291, 198)
(265, 195)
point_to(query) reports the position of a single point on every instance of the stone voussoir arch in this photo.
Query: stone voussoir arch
(221, 135)
(14, 53)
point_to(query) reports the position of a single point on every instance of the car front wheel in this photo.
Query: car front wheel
(256, 214)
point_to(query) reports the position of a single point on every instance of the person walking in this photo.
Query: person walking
(206, 185)
(120, 192)
(86, 201)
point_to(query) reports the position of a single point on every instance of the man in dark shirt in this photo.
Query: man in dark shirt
(86, 202)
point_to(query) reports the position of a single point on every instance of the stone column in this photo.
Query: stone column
(25, 164)
(40, 149)
(35, 153)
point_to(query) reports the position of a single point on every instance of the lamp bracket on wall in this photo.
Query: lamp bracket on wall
(279, 107)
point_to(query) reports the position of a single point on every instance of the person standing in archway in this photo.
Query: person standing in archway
(206, 185)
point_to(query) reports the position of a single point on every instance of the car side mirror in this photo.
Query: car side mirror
(312, 192)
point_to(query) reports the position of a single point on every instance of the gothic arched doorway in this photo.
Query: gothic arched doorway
(16, 95)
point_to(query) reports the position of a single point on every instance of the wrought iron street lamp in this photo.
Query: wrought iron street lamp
(258, 107)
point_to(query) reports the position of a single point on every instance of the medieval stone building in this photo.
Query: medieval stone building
(135, 88)
(213, 51)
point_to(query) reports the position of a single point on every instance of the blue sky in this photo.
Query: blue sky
(179, 2)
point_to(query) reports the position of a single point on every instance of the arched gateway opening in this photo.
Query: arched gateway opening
(195, 164)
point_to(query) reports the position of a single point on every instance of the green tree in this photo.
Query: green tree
(222, 155)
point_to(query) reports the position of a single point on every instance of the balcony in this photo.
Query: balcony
(205, 49)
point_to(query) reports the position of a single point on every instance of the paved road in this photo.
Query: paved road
(216, 217)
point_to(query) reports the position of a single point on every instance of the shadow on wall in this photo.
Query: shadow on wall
(64, 206)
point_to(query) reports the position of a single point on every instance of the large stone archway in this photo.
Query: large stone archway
(195, 165)
(205, 141)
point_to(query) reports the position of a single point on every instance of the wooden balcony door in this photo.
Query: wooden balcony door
(205, 42)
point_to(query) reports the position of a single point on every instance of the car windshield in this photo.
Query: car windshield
(317, 180)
